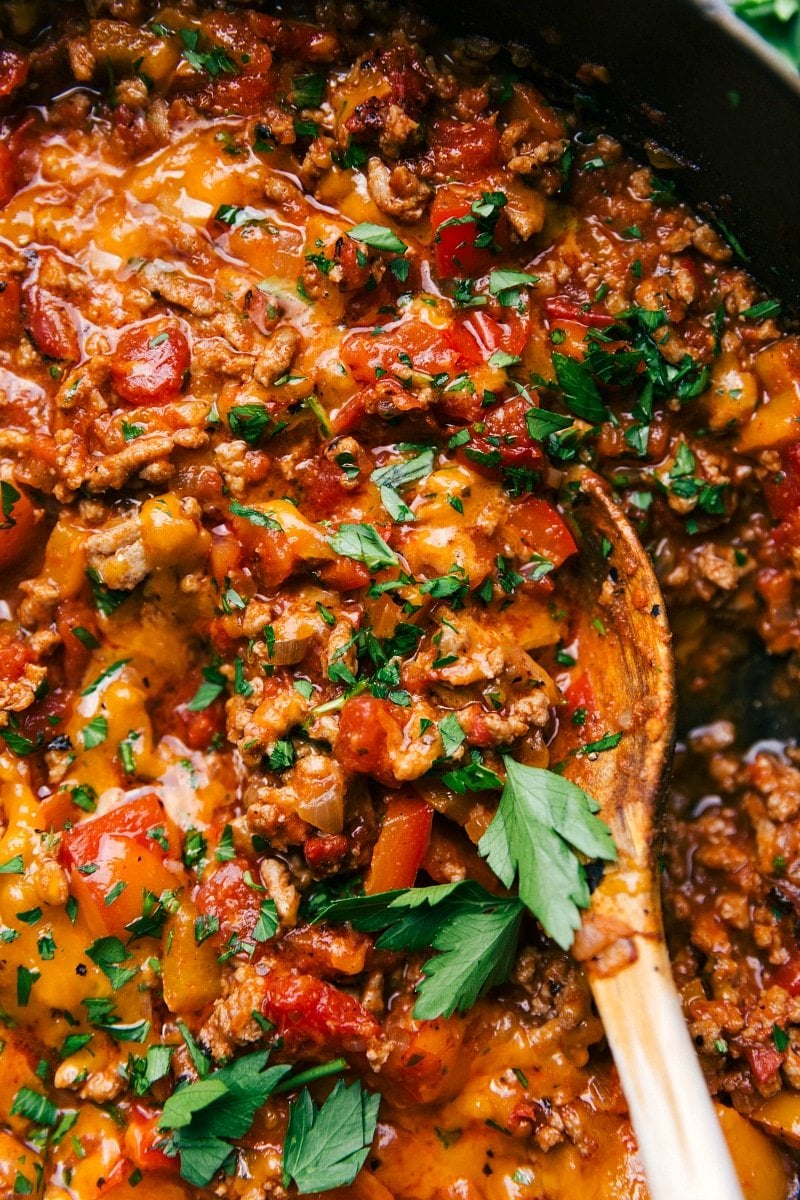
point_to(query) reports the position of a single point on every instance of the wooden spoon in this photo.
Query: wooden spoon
(624, 645)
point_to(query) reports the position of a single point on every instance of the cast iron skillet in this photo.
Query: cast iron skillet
(691, 77)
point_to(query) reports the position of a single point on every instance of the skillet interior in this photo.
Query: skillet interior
(688, 76)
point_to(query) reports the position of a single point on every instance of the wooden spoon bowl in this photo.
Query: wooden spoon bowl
(625, 647)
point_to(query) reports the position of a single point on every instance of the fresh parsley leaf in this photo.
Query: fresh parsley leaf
(205, 1117)
(472, 777)
(104, 675)
(541, 821)
(144, 1071)
(86, 638)
(542, 423)
(8, 498)
(255, 516)
(95, 733)
(233, 215)
(107, 953)
(33, 1106)
(107, 600)
(326, 1147)
(213, 685)
(608, 742)
(364, 544)
(26, 978)
(501, 358)
(380, 237)
(780, 1040)
(74, 1042)
(475, 933)
(505, 284)
(17, 742)
(579, 388)
(252, 422)
(267, 924)
(390, 479)
(308, 90)
(213, 61)
(451, 733)
(763, 310)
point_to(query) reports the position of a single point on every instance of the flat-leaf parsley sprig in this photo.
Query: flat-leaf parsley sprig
(542, 819)
(542, 824)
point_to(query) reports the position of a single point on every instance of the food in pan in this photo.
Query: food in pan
(302, 321)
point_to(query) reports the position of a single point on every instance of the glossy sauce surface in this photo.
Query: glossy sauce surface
(200, 374)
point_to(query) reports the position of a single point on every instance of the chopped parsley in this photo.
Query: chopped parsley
(364, 544)
(379, 237)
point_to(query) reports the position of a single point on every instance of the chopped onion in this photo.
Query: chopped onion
(325, 811)
(287, 652)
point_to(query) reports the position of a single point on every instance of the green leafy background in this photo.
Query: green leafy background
(776, 20)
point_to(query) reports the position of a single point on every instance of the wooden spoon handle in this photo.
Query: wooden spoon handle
(681, 1144)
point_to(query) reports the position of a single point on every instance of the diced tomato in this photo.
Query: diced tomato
(52, 326)
(244, 82)
(269, 550)
(559, 308)
(476, 335)
(324, 485)
(782, 490)
(16, 528)
(149, 363)
(368, 727)
(344, 575)
(244, 95)
(10, 295)
(326, 851)
(423, 345)
(235, 33)
(8, 175)
(427, 1062)
(14, 658)
(13, 70)
(542, 529)
(765, 1062)
(129, 844)
(226, 895)
(307, 1011)
(45, 719)
(787, 977)
(579, 695)
(355, 271)
(401, 845)
(580, 719)
(463, 150)
(409, 80)
(135, 819)
(504, 439)
(386, 398)
(454, 244)
(295, 39)
(202, 727)
(141, 1137)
